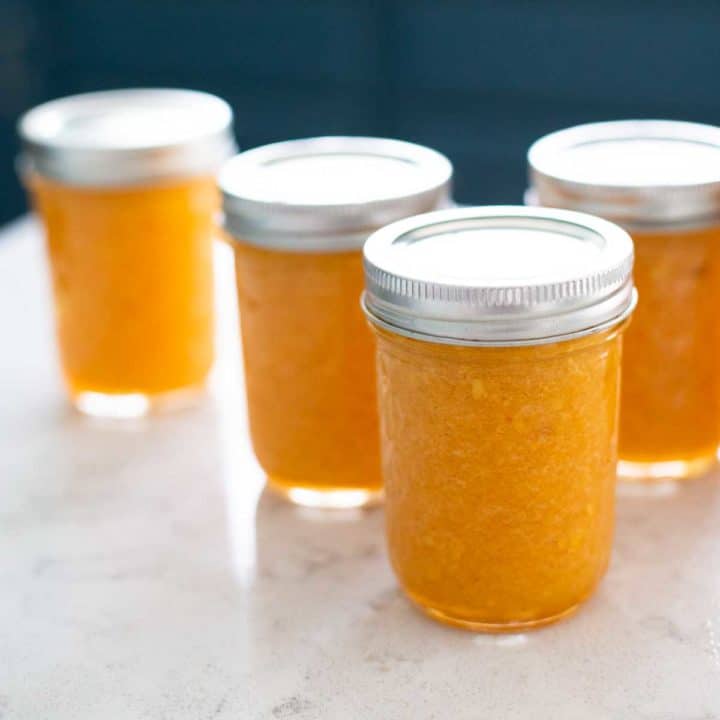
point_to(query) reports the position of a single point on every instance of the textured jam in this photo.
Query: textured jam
(499, 468)
(132, 280)
(671, 366)
(309, 368)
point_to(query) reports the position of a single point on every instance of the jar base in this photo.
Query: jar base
(122, 406)
(649, 472)
(480, 626)
(338, 498)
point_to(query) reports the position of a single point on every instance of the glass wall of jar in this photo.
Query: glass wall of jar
(498, 354)
(124, 184)
(299, 213)
(661, 181)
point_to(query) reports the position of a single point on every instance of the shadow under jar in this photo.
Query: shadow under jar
(298, 213)
(498, 357)
(661, 181)
(124, 184)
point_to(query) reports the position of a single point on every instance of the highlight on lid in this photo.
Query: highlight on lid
(498, 352)
(297, 214)
(661, 180)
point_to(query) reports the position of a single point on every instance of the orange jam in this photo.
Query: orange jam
(132, 279)
(309, 371)
(124, 183)
(499, 467)
(661, 180)
(298, 213)
(671, 371)
(498, 334)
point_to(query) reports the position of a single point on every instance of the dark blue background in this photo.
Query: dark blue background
(478, 80)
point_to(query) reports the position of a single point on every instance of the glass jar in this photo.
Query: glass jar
(124, 184)
(298, 213)
(498, 354)
(661, 181)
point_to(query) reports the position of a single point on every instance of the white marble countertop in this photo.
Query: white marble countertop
(145, 575)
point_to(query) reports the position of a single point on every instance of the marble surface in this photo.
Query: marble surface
(144, 573)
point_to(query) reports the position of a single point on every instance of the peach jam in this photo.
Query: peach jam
(123, 182)
(661, 181)
(498, 358)
(298, 213)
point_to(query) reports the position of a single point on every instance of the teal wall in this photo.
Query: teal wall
(476, 79)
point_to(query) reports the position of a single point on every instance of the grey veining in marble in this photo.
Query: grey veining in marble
(144, 574)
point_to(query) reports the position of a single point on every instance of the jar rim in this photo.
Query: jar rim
(468, 342)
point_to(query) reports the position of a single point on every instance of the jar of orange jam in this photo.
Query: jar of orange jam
(661, 181)
(124, 184)
(498, 357)
(299, 213)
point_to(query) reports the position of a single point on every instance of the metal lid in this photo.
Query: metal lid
(124, 137)
(499, 276)
(329, 193)
(637, 171)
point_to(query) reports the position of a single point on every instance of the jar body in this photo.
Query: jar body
(310, 374)
(499, 467)
(132, 280)
(671, 368)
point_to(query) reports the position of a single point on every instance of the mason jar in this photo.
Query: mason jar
(124, 184)
(298, 213)
(499, 335)
(661, 181)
